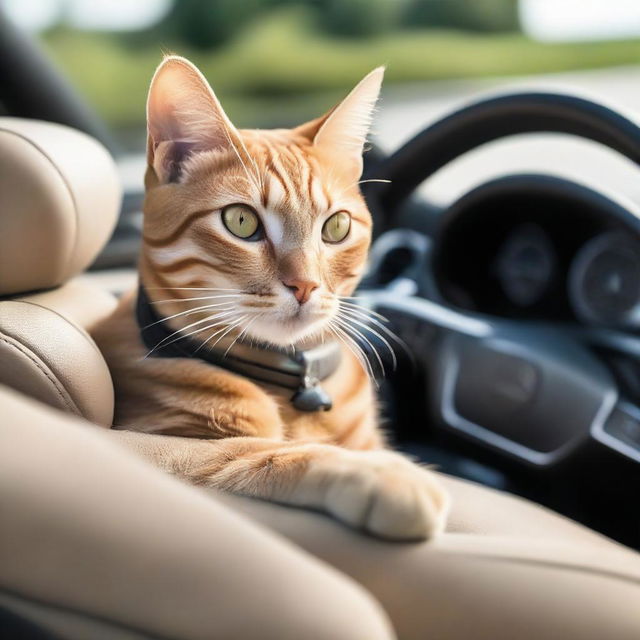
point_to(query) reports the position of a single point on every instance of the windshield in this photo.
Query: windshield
(277, 62)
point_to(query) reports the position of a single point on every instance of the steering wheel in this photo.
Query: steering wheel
(534, 391)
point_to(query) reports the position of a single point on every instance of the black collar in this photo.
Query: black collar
(298, 370)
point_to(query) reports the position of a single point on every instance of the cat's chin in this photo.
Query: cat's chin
(285, 333)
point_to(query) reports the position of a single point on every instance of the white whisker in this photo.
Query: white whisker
(366, 310)
(355, 349)
(180, 332)
(399, 341)
(235, 324)
(251, 321)
(192, 289)
(218, 297)
(334, 329)
(358, 334)
(188, 312)
(375, 180)
(357, 320)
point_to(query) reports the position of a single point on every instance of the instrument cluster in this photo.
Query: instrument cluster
(602, 281)
(564, 256)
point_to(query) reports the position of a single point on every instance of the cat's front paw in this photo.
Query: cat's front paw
(386, 495)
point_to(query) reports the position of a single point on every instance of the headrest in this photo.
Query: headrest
(60, 200)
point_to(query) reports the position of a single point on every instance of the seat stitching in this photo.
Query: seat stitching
(62, 393)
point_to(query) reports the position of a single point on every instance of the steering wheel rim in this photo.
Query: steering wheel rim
(490, 119)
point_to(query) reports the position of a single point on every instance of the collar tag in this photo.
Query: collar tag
(313, 398)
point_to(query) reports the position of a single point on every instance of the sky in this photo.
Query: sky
(554, 20)
(87, 14)
(548, 20)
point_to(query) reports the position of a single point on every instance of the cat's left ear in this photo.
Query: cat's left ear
(342, 133)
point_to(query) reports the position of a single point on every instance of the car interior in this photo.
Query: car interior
(517, 314)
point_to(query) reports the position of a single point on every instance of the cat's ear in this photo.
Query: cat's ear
(183, 117)
(342, 133)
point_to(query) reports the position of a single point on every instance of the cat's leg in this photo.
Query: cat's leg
(381, 492)
(378, 491)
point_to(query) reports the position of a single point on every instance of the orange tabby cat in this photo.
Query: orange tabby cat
(258, 235)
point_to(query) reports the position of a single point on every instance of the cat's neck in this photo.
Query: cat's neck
(298, 369)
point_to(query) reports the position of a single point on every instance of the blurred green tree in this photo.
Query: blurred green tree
(467, 15)
(359, 18)
(207, 24)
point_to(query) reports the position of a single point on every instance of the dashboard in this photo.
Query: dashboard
(523, 300)
(519, 305)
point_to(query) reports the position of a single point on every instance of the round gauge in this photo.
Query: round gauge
(604, 281)
(525, 264)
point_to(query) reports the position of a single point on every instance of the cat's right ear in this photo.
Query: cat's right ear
(183, 117)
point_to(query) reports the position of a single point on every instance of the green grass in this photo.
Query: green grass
(281, 70)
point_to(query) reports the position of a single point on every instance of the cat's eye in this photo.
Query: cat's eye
(336, 228)
(242, 221)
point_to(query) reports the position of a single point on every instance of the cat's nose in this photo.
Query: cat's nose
(301, 289)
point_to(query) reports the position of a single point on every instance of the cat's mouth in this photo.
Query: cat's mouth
(292, 331)
(286, 327)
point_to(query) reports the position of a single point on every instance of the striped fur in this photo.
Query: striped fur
(209, 283)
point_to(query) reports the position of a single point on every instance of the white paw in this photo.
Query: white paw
(384, 494)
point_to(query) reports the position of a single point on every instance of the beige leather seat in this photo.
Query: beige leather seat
(96, 543)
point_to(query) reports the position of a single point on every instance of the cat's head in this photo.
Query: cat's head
(260, 231)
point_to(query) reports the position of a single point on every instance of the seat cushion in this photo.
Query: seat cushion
(506, 568)
(87, 528)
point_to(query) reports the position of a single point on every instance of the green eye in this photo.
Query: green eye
(336, 228)
(241, 220)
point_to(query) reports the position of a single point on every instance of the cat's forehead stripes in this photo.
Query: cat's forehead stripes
(291, 177)
(284, 167)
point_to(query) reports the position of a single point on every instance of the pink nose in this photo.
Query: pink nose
(301, 289)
